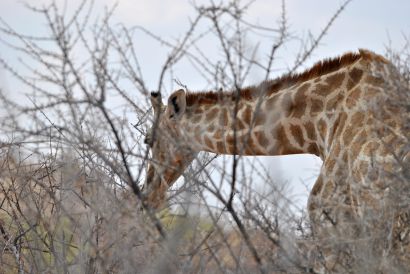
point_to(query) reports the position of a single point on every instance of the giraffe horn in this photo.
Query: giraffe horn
(156, 101)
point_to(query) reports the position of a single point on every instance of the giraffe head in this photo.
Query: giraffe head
(170, 150)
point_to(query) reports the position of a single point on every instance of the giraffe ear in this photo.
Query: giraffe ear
(176, 104)
(156, 102)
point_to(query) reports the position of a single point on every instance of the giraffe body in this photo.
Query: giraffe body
(338, 110)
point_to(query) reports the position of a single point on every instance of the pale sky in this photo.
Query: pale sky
(364, 24)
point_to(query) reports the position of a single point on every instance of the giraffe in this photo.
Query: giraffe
(337, 110)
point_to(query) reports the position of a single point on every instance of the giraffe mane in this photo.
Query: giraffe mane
(272, 86)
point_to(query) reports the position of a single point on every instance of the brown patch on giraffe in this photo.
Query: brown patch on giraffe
(229, 139)
(303, 88)
(338, 125)
(374, 81)
(261, 138)
(297, 134)
(319, 69)
(220, 147)
(247, 115)
(358, 119)
(333, 103)
(353, 98)
(217, 135)
(211, 115)
(314, 149)
(322, 90)
(232, 149)
(249, 151)
(348, 135)
(298, 108)
(358, 142)
(336, 79)
(283, 145)
(330, 164)
(310, 130)
(316, 106)
(251, 148)
(354, 77)
(259, 118)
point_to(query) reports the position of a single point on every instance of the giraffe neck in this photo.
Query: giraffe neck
(269, 124)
